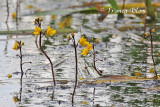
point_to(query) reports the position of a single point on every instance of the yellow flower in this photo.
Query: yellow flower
(61, 25)
(72, 34)
(22, 43)
(81, 78)
(50, 31)
(38, 10)
(85, 51)
(97, 40)
(83, 41)
(138, 74)
(116, 35)
(68, 37)
(9, 75)
(151, 70)
(40, 19)
(10, 37)
(14, 15)
(54, 17)
(84, 102)
(37, 30)
(16, 46)
(153, 30)
(35, 22)
(68, 22)
(15, 99)
(146, 34)
(30, 6)
(89, 47)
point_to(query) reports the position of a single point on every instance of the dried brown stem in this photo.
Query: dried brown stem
(17, 14)
(94, 60)
(7, 11)
(40, 46)
(123, 4)
(155, 72)
(76, 60)
(20, 49)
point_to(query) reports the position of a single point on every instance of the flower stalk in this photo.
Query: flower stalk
(94, 59)
(50, 32)
(76, 60)
(155, 72)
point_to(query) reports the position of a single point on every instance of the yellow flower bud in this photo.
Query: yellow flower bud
(153, 30)
(9, 75)
(14, 15)
(68, 37)
(146, 34)
(22, 43)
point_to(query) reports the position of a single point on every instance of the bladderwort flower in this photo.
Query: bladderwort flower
(85, 51)
(16, 46)
(67, 21)
(14, 15)
(146, 34)
(9, 75)
(153, 30)
(83, 41)
(97, 40)
(50, 31)
(89, 47)
(37, 30)
(68, 37)
(61, 25)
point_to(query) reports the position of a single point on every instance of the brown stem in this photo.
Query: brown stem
(123, 4)
(7, 11)
(17, 14)
(94, 95)
(94, 60)
(20, 49)
(40, 46)
(155, 72)
(76, 60)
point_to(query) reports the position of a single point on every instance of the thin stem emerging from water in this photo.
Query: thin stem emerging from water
(94, 60)
(21, 64)
(155, 72)
(123, 4)
(17, 14)
(7, 11)
(76, 60)
(40, 46)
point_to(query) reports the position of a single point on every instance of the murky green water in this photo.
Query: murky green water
(118, 53)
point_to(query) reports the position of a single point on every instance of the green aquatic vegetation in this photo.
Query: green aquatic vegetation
(132, 90)
(136, 102)
(115, 88)
(117, 98)
(132, 84)
(150, 10)
(116, 8)
(106, 38)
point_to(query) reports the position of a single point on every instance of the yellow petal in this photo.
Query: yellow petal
(89, 47)
(9, 75)
(84, 102)
(83, 41)
(85, 51)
